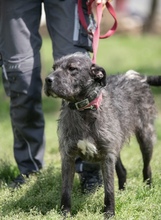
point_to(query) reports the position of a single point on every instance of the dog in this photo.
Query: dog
(98, 115)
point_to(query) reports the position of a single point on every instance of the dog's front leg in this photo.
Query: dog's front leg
(68, 170)
(108, 168)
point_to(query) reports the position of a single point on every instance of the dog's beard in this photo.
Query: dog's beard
(49, 92)
(53, 95)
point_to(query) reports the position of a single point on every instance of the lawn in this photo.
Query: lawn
(40, 197)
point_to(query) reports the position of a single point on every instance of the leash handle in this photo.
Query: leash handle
(89, 5)
(114, 27)
(95, 32)
(81, 15)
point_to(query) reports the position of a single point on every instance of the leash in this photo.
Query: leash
(92, 28)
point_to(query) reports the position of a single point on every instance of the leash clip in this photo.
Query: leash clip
(92, 25)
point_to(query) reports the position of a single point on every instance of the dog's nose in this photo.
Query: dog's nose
(49, 80)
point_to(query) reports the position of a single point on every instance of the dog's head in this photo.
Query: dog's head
(73, 77)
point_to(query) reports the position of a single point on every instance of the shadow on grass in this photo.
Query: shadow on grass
(7, 171)
(42, 194)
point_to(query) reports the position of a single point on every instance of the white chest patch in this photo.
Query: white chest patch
(87, 147)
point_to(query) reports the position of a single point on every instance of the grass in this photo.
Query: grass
(40, 197)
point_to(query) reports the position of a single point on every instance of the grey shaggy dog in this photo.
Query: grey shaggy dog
(98, 115)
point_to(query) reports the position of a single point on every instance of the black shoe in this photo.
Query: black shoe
(18, 181)
(90, 181)
(90, 176)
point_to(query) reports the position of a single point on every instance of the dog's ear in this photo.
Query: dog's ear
(99, 74)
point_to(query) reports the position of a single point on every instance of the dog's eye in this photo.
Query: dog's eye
(72, 68)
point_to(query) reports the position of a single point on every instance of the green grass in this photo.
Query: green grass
(40, 197)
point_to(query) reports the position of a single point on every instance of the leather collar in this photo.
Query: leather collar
(91, 103)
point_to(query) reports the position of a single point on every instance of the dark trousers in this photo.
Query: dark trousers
(20, 45)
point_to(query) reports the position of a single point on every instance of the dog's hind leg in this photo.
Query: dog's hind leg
(145, 138)
(68, 171)
(121, 173)
(108, 169)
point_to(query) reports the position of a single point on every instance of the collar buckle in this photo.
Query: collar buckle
(80, 105)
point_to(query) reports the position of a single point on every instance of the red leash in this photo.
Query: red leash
(91, 29)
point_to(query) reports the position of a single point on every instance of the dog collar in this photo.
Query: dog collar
(91, 103)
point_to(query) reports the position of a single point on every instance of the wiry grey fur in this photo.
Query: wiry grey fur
(98, 135)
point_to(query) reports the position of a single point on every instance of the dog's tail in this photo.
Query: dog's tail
(153, 80)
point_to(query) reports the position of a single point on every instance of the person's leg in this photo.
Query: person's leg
(68, 37)
(66, 33)
(20, 44)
